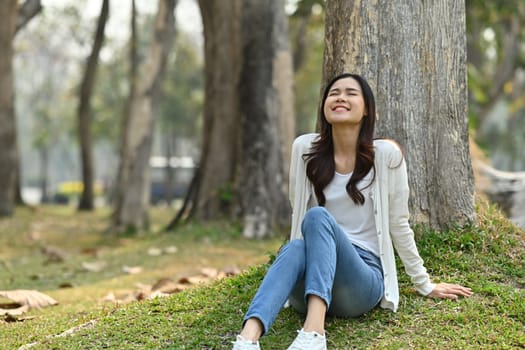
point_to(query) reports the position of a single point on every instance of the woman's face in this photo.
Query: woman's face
(344, 104)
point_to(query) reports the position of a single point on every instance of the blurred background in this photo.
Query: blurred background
(50, 54)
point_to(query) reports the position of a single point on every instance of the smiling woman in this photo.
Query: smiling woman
(349, 195)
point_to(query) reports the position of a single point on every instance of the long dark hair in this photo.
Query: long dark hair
(320, 167)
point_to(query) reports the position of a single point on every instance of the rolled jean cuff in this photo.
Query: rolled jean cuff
(264, 323)
(326, 298)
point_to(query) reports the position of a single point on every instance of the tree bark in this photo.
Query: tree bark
(414, 56)
(8, 146)
(119, 189)
(221, 23)
(262, 185)
(84, 113)
(283, 82)
(133, 200)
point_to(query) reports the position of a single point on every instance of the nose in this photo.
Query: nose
(340, 97)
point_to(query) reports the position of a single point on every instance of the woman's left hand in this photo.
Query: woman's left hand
(449, 291)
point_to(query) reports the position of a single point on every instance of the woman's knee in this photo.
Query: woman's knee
(315, 215)
(293, 253)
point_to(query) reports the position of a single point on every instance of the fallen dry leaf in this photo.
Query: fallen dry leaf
(171, 249)
(210, 272)
(154, 251)
(132, 270)
(13, 318)
(53, 254)
(95, 266)
(27, 299)
(121, 297)
(13, 309)
(168, 286)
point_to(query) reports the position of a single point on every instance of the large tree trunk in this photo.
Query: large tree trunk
(262, 185)
(221, 112)
(414, 56)
(8, 147)
(133, 197)
(84, 113)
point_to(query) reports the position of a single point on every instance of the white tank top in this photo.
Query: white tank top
(356, 220)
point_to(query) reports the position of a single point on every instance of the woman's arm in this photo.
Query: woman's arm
(404, 242)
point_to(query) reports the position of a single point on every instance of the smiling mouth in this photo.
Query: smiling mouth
(340, 108)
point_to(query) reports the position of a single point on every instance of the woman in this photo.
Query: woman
(350, 209)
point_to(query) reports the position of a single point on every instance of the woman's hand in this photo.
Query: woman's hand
(449, 291)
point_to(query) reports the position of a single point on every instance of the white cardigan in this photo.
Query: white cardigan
(390, 201)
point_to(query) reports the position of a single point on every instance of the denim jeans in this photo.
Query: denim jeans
(326, 264)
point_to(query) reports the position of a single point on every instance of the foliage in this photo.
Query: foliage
(496, 61)
(489, 257)
(182, 102)
(308, 73)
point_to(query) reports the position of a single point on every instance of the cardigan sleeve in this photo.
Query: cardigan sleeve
(299, 191)
(401, 233)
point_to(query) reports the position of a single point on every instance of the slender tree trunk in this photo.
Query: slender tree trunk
(8, 147)
(283, 83)
(221, 21)
(414, 56)
(119, 188)
(84, 113)
(44, 161)
(132, 211)
(261, 172)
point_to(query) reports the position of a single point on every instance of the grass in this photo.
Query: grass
(488, 257)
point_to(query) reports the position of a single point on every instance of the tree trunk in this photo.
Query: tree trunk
(283, 81)
(262, 188)
(8, 147)
(133, 202)
(43, 153)
(219, 157)
(414, 56)
(84, 113)
(119, 190)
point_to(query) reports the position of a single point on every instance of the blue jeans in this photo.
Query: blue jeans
(326, 264)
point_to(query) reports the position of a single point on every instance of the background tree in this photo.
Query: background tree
(211, 195)
(8, 147)
(180, 122)
(132, 200)
(262, 180)
(84, 112)
(414, 55)
(248, 73)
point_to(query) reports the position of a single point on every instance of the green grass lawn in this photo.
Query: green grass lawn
(489, 258)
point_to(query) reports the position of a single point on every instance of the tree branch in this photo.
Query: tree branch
(27, 11)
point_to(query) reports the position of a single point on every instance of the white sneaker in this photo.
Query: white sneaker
(308, 341)
(243, 344)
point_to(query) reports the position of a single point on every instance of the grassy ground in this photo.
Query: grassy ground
(84, 239)
(490, 258)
